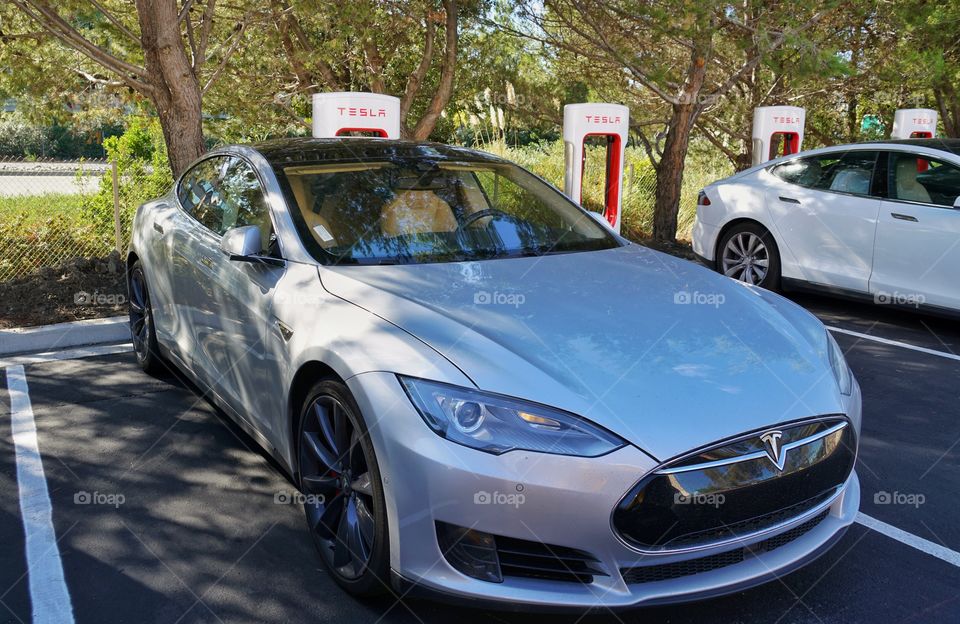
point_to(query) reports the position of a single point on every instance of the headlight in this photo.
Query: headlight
(839, 364)
(497, 424)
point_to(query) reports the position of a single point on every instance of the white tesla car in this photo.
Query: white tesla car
(875, 220)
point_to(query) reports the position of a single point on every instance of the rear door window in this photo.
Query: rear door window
(915, 178)
(841, 172)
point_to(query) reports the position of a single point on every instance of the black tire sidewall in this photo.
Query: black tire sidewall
(771, 280)
(150, 361)
(375, 580)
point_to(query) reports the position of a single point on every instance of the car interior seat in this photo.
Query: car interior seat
(908, 188)
(416, 212)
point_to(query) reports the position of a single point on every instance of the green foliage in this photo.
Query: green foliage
(22, 138)
(143, 174)
(44, 231)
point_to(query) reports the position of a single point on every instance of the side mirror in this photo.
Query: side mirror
(241, 243)
(956, 202)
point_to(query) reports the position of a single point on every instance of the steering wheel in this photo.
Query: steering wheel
(480, 214)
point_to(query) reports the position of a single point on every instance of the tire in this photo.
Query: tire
(142, 329)
(748, 253)
(344, 503)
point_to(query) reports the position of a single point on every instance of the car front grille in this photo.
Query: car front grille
(734, 489)
(529, 559)
(697, 565)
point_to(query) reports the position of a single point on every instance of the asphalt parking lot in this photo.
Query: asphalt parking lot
(164, 512)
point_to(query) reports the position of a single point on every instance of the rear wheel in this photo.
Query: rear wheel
(344, 503)
(145, 345)
(748, 254)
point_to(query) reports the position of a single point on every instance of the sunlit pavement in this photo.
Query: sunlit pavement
(164, 512)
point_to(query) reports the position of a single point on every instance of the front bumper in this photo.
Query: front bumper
(557, 500)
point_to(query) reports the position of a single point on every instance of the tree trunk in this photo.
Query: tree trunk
(444, 91)
(949, 104)
(670, 169)
(666, 208)
(175, 91)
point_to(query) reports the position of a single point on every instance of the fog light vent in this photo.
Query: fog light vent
(473, 553)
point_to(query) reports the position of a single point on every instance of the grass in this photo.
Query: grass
(38, 231)
(37, 209)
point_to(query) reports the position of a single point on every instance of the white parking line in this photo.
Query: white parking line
(940, 552)
(895, 343)
(48, 589)
(66, 354)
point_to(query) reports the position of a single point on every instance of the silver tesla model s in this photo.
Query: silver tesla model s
(485, 394)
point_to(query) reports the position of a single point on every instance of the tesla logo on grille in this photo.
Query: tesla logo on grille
(771, 443)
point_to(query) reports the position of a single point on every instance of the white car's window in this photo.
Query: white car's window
(927, 180)
(841, 172)
(224, 192)
(386, 212)
(199, 191)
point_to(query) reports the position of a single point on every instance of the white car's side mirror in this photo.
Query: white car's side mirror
(956, 202)
(241, 243)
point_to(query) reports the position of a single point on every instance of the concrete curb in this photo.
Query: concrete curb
(46, 338)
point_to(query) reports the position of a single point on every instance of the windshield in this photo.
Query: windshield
(390, 213)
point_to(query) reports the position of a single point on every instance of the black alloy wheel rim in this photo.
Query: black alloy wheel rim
(335, 476)
(139, 313)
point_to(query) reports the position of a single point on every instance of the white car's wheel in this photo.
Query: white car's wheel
(748, 253)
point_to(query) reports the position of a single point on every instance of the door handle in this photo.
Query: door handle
(158, 227)
(789, 200)
(903, 217)
(207, 262)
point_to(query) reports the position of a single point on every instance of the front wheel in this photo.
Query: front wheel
(344, 502)
(748, 254)
(142, 330)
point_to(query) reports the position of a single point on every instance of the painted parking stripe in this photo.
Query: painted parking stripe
(895, 343)
(48, 589)
(66, 354)
(940, 552)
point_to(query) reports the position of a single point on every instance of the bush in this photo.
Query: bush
(21, 139)
(143, 171)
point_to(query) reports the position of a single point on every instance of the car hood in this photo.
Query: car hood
(661, 351)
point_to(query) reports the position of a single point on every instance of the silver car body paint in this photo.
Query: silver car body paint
(662, 352)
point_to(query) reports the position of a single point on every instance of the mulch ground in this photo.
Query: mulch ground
(79, 289)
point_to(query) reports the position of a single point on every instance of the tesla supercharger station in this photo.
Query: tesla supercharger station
(351, 114)
(914, 123)
(581, 121)
(777, 131)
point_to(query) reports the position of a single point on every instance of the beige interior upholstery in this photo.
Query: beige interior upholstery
(320, 226)
(907, 186)
(416, 212)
